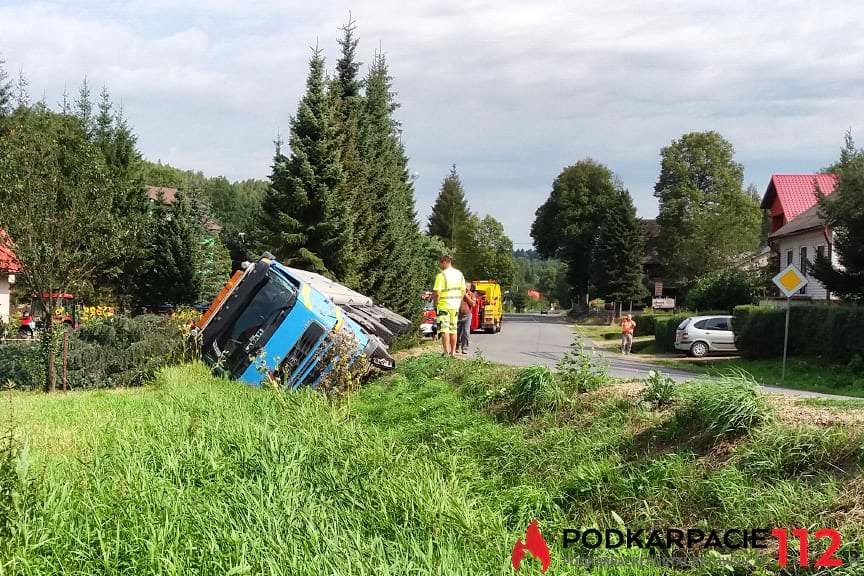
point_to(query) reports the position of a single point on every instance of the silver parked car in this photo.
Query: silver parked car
(699, 335)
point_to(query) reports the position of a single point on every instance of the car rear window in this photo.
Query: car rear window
(683, 324)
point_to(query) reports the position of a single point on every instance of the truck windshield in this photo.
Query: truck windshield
(256, 323)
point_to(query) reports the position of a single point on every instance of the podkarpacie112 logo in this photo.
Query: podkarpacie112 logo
(664, 541)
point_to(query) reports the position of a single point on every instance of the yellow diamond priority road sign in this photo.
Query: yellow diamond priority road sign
(790, 280)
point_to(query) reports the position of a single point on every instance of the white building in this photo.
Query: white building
(8, 268)
(800, 242)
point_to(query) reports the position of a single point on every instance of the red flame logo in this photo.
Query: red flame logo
(535, 544)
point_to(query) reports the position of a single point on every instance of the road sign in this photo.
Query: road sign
(790, 280)
(663, 303)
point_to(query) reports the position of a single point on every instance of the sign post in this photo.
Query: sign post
(790, 280)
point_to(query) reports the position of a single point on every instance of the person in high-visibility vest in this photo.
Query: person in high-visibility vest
(447, 293)
(628, 327)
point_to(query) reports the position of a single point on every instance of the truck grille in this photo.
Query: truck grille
(301, 349)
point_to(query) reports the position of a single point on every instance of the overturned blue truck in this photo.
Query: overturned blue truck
(280, 320)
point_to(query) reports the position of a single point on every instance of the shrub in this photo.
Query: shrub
(724, 290)
(21, 364)
(829, 332)
(579, 371)
(104, 353)
(534, 390)
(729, 405)
(645, 324)
(664, 331)
(660, 390)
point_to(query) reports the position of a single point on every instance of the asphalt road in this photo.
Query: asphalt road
(543, 339)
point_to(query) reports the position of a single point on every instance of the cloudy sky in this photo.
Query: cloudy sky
(511, 91)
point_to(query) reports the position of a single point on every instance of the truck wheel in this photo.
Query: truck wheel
(498, 327)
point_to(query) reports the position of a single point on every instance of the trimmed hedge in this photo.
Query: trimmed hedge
(645, 324)
(822, 331)
(664, 330)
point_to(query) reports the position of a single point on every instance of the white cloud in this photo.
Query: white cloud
(510, 91)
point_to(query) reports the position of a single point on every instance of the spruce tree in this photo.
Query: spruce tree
(617, 263)
(104, 127)
(84, 107)
(117, 143)
(354, 190)
(172, 273)
(844, 213)
(22, 95)
(5, 91)
(305, 223)
(396, 272)
(450, 211)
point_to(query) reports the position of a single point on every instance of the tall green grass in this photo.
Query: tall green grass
(197, 475)
(726, 406)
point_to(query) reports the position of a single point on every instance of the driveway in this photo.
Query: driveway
(543, 339)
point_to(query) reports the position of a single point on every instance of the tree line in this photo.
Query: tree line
(479, 246)
(339, 199)
(707, 220)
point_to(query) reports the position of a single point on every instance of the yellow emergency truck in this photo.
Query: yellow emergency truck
(492, 311)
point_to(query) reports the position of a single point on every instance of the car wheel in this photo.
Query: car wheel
(699, 349)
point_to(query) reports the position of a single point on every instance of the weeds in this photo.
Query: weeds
(660, 390)
(580, 371)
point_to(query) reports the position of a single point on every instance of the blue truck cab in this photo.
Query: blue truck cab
(268, 319)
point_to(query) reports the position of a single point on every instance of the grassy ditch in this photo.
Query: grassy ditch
(801, 374)
(436, 469)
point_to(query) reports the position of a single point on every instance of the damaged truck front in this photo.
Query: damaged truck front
(270, 318)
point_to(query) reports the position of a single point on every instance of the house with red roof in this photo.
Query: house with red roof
(9, 266)
(798, 231)
(790, 195)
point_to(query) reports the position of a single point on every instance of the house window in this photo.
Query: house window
(788, 257)
(804, 266)
(820, 252)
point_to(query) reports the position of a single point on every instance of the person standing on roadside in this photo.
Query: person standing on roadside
(447, 293)
(628, 327)
(465, 317)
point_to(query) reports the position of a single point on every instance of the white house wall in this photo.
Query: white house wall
(812, 240)
(4, 298)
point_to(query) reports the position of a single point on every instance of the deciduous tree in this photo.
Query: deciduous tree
(492, 252)
(706, 217)
(57, 205)
(566, 225)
